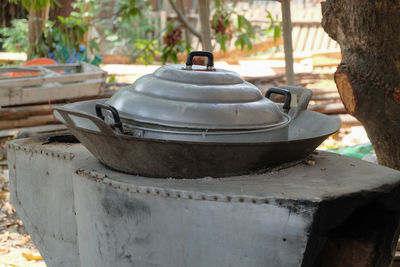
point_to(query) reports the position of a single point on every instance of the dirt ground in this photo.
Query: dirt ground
(16, 246)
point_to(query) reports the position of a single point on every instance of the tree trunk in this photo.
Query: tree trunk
(368, 77)
(34, 30)
(36, 22)
(204, 12)
(63, 9)
(10, 11)
(287, 42)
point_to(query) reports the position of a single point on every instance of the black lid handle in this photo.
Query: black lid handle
(280, 91)
(208, 55)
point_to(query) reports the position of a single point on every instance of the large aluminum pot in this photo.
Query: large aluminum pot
(191, 122)
(193, 103)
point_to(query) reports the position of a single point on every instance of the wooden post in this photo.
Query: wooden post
(204, 12)
(287, 41)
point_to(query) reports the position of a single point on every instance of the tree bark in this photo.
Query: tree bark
(10, 11)
(204, 12)
(34, 30)
(36, 22)
(368, 77)
(63, 9)
(287, 41)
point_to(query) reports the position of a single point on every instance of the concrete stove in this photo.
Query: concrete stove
(337, 212)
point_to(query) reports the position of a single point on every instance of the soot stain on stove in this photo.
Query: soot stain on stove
(119, 205)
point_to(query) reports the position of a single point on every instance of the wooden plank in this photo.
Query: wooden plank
(116, 59)
(102, 95)
(35, 68)
(34, 129)
(334, 108)
(77, 77)
(89, 68)
(325, 42)
(347, 120)
(318, 39)
(45, 94)
(295, 33)
(295, 22)
(6, 57)
(31, 121)
(329, 96)
(306, 22)
(318, 91)
(257, 47)
(89, 88)
(311, 38)
(25, 111)
(333, 44)
(299, 43)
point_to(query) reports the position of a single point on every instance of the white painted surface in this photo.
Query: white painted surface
(125, 220)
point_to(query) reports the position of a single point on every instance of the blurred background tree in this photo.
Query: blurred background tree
(60, 29)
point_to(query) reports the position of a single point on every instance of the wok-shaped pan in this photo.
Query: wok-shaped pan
(183, 159)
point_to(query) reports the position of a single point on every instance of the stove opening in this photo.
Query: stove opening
(63, 138)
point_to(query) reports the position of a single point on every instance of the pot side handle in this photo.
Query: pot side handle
(71, 117)
(280, 91)
(117, 121)
(304, 99)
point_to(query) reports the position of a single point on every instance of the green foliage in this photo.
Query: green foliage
(35, 4)
(222, 39)
(275, 26)
(67, 38)
(227, 23)
(15, 38)
(245, 32)
(132, 31)
(171, 52)
(221, 23)
(41, 49)
(129, 9)
(146, 50)
(70, 32)
(173, 43)
(111, 79)
(62, 40)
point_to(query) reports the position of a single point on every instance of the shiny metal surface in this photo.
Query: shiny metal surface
(176, 97)
(183, 155)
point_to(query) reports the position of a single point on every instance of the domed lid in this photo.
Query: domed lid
(193, 97)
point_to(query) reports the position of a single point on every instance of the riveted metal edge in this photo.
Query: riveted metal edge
(68, 156)
(161, 192)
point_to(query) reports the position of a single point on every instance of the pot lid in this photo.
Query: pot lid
(193, 97)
